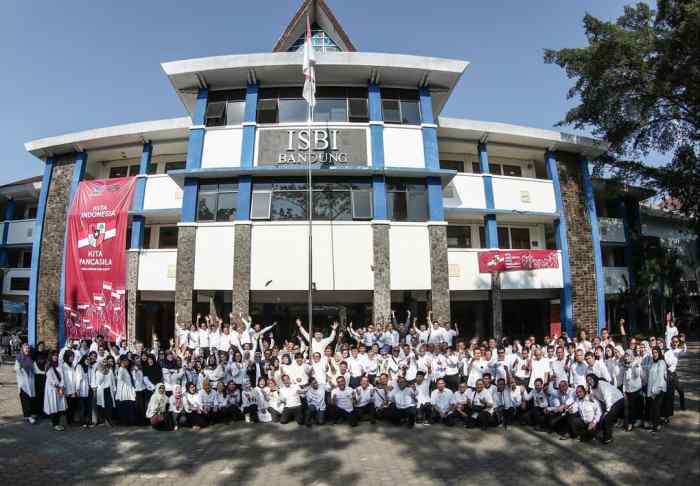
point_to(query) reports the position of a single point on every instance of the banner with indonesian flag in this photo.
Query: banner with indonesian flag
(95, 276)
(513, 260)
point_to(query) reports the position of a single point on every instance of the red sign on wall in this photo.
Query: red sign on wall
(95, 276)
(513, 260)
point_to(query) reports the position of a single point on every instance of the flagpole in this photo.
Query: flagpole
(310, 213)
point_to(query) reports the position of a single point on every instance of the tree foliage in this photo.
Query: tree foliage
(638, 83)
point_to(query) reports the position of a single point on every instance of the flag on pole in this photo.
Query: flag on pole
(309, 68)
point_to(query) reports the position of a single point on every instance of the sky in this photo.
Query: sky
(81, 64)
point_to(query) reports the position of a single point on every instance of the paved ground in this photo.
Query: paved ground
(279, 455)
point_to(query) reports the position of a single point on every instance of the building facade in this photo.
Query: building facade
(403, 199)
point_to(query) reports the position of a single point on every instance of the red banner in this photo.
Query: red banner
(513, 260)
(95, 296)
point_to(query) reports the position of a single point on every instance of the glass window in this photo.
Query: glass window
(267, 111)
(358, 110)
(26, 259)
(331, 110)
(391, 111)
(235, 111)
(410, 112)
(293, 110)
(332, 205)
(167, 237)
(520, 238)
(459, 237)
(496, 169)
(175, 166)
(289, 205)
(19, 283)
(31, 212)
(457, 165)
(217, 201)
(215, 114)
(147, 237)
(407, 201)
(260, 205)
(512, 170)
(152, 169)
(503, 238)
(476, 168)
(134, 170)
(362, 204)
(120, 171)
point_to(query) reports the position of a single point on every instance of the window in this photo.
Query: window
(459, 237)
(152, 169)
(225, 108)
(333, 105)
(267, 111)
(167, 237)
(613, 256)
(25, 260)
(320, 41)
(332, 200)
(401, 106)
(331, 110)
(499, 169)
(175, 166)
(512, 170)
(407, 201)
(457, 165)
(147, 237)
(134, 170)
(19, 283)
(31, 212)
(217, 201)
(508, 238)
(358, 110)
(120, 171)
(292, 110)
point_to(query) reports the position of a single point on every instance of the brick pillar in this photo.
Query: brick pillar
(240, 297)
(439, 273)
(52, 244)
(580, 243)
(132, 276)
(381, 299)
(184, 274)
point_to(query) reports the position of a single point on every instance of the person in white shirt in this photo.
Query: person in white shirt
(403, 400)
(290, 399)
(671, 357)
(318, 343)
(125, 396)
(475, 368)
(584, 422)
(442, 404)
(482, 407)
(597, 367)
(578, 369)
(657, 385)
(632, 389)
(196, 414)
(613, 403)
(382, 402)
(249, 403)
(25, 371)
(54, 394)
(537, 403)
(364, 400)
(561, 405)
(671, 330)
(315, 403)
(356, 368)
(423, 406)
(539, 368)
(343, 399)
(505, 407)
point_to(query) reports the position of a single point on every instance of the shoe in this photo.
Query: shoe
(59, 428)
(638, 423)
(607, 441)
(196, 427)
(91, 426)
(175, 428)
(628, 428)
(85, 426)
(31, 420)
(564, 437)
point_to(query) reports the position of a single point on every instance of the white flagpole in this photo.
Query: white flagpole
(310, 96)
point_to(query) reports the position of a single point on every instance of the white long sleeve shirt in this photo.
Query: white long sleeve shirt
(442, 400)
(607, 394)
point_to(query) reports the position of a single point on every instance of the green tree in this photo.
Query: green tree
(638, 87)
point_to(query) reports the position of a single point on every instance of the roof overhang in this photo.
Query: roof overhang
(614, 189)
(332, 68)
(115, 138)
(24, 191)
(502, 133)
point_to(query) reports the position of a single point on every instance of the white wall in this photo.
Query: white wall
(403, 147)
(16, 273)
(521, 194)
(157, 269)
(161, 193)
(409, 250)
(465, 191)
(222, 147)
(20, 232)
(213, 261)
(342, 256)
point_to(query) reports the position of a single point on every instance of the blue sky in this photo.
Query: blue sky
(80, 64)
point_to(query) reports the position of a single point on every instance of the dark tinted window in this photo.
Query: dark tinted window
(167, 237)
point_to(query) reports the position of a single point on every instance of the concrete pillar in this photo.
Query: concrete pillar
(184, 275)
(496, 300)
(381, 301)
(132, 276)
(240, 296)
(439, 273)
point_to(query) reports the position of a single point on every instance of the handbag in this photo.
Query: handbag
(156, 420)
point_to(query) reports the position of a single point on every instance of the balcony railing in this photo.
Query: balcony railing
(612, 230)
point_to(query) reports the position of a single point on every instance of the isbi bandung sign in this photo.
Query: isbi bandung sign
(318, 146)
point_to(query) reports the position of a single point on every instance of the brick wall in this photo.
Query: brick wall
(580, 243)
(240, 296)
(184, 281)
(381, 297)
(439, 273)
(51, 256)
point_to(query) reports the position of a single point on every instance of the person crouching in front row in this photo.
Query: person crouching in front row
(156, 412)
(315, 404)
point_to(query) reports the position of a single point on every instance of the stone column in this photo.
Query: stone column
(184, 274)
(132, 277)
(496, 299)
(240, 297)
(439, 273)
(381, 300)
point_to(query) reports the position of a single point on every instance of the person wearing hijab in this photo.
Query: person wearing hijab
(81, 375)
(54, 392)
(41, 358)
(126, 394)
(105, 390)
(176, 408)
(26, 371)
(156, 412)
(232, 402)
(656, 389)
(71, 393)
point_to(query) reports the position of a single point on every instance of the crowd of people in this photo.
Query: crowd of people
(399, 372)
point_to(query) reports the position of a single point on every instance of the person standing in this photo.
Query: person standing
(26, 370)
(126, 394)
(656, 389)
(54, 392)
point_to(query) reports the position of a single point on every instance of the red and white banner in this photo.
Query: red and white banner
(513, 260)
(95, 276)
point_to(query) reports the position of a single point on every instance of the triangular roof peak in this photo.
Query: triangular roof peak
(320, 15)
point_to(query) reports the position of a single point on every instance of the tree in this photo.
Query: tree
(638, 83)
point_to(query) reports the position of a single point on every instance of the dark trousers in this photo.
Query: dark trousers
(634, 402)
(232, 412)
(653, 409)
(27, 404)
(366, 411)
(140, 409)
(252, 412)
(674, 385)
(505, 416)
(423, 413)
(85, 411)
(72, 406)
(276, 416)
(166, 424)
(56, 418)
(313, 415)
(354, 381)
(345, 416)
(126, 409)
(437, 418)
(197, 419)
(399, 415)
(611, 416)
(534, 416)
(290, 413)
(579, 428)
(558, 422)
(106, 413)
(178, 418)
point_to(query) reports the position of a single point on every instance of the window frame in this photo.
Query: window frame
(217, 195)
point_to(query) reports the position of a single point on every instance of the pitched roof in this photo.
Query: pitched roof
(29, 180)
(321, 14)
